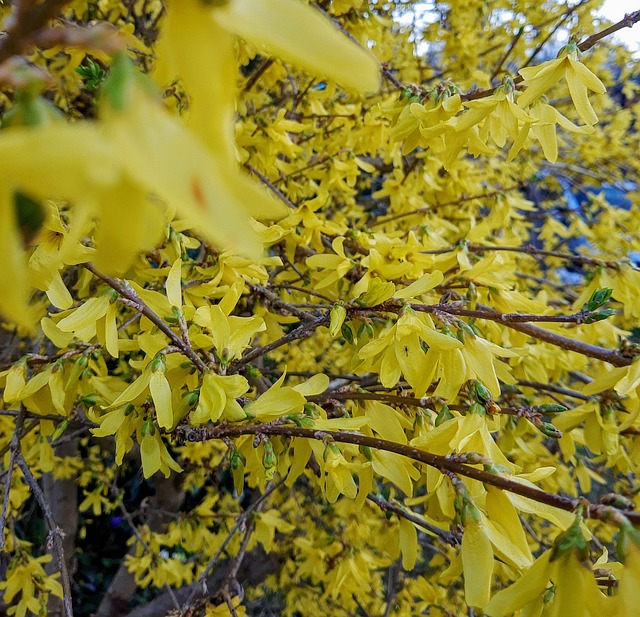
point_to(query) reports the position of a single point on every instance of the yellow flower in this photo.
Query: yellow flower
(281, 400)
(218, 398)
(539, 79)
(297, 33)
(154, 454)
(575, 591)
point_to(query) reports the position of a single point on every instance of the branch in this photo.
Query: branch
(200, 584)
(133, 300)
(443, 463)
(447, 536)
(55, 533)
(612, 356)
(15, 449)
(455, 202)
(298, 333)
(22, 24)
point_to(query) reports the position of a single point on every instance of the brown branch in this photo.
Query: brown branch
(627, 22)
(276, 301)
(14, 446)
(22, 25)
(240, 521)
(298, 333)
(443, 463)
(271, 186)
(447, 536)
(514, 42)
(133, 300)
(612, 356)
(257, 74)
(552, 388)
(552, 31)
(454, 202)
(529, 249)
(55, 533)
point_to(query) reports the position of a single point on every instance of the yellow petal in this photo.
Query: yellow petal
(129, 224)
(150, 454)
(314, 385)
(301, 35)
(578, 92)
(408, 540)
(162, 157)
(173, 284)
(212, 400)
(526, 589)
(477, 559)
(540, 83)
(587, 77)
(422, 285)
(161, 395)
(85, 315)
(13, 273)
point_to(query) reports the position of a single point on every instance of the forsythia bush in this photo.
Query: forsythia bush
(318, 308)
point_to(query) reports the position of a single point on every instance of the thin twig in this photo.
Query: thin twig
(133, 300)
(238, 524)
(300, 332)
(384, 504)
(55, 533)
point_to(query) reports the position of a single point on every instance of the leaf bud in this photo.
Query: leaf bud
(546, 428)
(479, 391)
(551, 408)
(347, 334)
(598, 298)
(478, 408)
(443, 415)
(599, 315)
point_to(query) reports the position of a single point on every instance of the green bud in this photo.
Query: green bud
(77, 370)
(269, 458)
(158, 364)
(571, 540)
(546, 428)
(627, 537)
(60, 429)
(478, 408)
(443, 415)
(253, 372)
(472, 296)
(550, 408)
(598, 298)
(237, 459)
(367, 452)
(148, 428)
(480, 392)
(30, 110)
(90, 399)
(600, 315)
(347, 334)
(117, 89)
